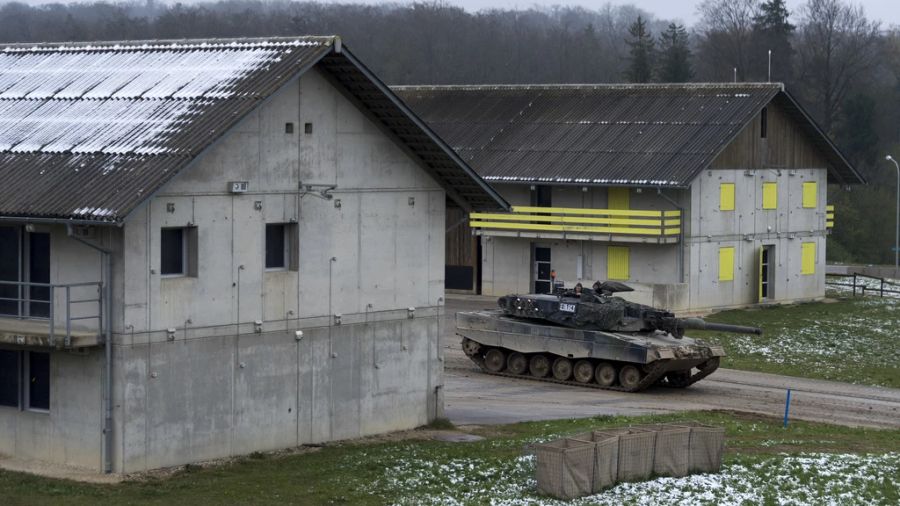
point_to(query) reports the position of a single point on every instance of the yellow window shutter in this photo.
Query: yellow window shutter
(618, 198)
(617, 262)
(770, 195)
(726, 263)
(726, 197)
(808, 258)
(810, 195)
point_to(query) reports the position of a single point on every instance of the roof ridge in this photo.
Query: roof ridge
(170, 44)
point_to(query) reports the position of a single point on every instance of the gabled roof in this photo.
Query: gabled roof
(620, 134)
(89, 131)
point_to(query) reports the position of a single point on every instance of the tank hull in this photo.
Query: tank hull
(658, 357)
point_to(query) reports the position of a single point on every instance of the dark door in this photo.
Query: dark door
(10, 270)
(542, 281)
(39, 272)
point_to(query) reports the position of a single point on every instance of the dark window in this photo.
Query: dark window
(9, 378)
(39, 272)
(275, 246)
(288, 128)
(10, 261)
(172, 251)
(38, 380)
(307, 128)
(764, 123)
(541, 197)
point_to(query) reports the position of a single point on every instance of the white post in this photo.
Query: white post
(896, 218)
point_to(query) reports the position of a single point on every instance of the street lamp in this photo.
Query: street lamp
(897, 218)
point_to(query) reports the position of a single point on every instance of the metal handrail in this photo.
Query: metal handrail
(24, 301)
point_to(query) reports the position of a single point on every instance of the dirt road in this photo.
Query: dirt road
(472, 397)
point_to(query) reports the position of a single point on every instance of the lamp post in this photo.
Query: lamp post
(897, 217)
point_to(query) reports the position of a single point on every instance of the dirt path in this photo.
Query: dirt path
(472, 397)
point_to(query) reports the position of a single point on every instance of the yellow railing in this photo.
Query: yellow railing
(584, 221)
(829, 216)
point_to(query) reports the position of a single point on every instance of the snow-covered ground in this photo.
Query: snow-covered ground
(801, 479)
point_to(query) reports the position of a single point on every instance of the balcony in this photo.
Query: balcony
(619, 225)
(51, 315)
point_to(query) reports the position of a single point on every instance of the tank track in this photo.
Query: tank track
(654, 374)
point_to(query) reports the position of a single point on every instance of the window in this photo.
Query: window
(726, 263)
(808, 258)
(178, 251)
(9, 378)
(25, 379)
(276, 246)
(726, 197)
(810, 195)
(770, 196)
(617, 258)
(38, 378)
(542, 196)
(281, 251)
(764, 123)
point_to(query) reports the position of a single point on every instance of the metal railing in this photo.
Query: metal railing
(865, 285)
(37, 301)
(829, 216)
(631, 222)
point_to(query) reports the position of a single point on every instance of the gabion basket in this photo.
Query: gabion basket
(565, 467)
(707, 443)
(672, 451)
(606, 458)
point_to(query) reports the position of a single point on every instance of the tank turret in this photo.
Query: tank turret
(599, 309)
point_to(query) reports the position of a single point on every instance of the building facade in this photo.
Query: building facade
(701, 197)
(204, 253)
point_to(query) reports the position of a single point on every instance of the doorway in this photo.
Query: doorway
(543, 283)
(24, 258)
(766, 272)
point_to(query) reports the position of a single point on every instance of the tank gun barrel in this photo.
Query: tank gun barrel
(700, 324)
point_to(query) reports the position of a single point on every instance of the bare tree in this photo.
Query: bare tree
(837, 47)
(725, 35)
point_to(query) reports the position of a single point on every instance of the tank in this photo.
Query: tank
(590, 338)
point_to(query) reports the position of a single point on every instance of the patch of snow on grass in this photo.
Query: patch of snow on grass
(815, 478)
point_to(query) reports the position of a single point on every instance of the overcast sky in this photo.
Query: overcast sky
(887, 11)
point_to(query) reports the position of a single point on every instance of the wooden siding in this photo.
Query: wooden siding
(461, 247)
(786, 146)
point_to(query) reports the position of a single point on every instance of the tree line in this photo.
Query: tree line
(843, 67)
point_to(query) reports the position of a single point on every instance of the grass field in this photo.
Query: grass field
(764, 464)
(853, 339)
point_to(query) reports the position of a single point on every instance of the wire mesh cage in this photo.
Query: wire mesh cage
(565, 467)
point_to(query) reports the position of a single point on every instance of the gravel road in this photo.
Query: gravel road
(472, 397)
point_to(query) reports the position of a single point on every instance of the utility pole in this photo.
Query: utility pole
(896, 218)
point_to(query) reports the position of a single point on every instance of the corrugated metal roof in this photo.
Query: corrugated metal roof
(659, 135)
(88, 131)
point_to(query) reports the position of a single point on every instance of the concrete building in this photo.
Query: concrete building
(210, 248)
(700, 196)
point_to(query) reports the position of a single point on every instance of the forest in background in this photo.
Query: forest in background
(843, 67)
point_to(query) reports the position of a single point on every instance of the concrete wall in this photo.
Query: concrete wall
(222, 385)
(749, 227)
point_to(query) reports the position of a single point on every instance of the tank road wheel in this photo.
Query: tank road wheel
(629, 377)
(584, 371)
(470, 347)
(678, 379)
(562, 369)
(605, 374)
(516, 363)
(494, 360)
(539, 366)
